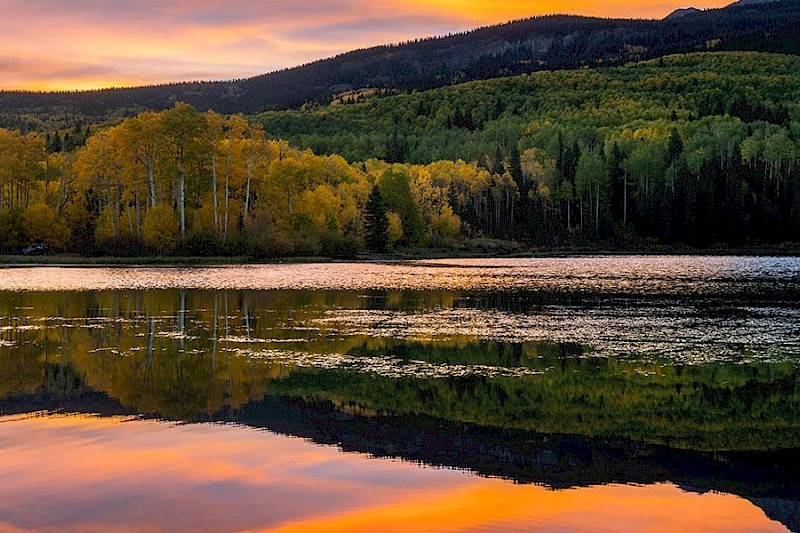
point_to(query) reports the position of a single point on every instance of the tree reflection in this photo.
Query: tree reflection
(188, 354)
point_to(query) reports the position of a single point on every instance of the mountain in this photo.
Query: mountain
(470, 121)
(678, 13)
(542, 43)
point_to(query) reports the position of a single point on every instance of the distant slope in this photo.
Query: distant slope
(543, 43)
(472, 120)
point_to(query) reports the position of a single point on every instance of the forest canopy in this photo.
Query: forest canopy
(696, 149)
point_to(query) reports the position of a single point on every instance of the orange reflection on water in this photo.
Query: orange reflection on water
(85, 473)
(495, 505)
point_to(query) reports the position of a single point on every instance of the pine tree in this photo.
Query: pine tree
(675, 145)
(376, 225)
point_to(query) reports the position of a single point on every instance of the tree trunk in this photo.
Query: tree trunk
(625, 199)
(151, 182)
(247, 189)
(214, 187)
(138, 216)
(227, 189)
(182, 198)
(597, 208)
(569, 215)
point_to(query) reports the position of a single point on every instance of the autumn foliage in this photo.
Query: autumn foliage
(191, 183)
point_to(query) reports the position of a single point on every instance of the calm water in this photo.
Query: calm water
(612, 393)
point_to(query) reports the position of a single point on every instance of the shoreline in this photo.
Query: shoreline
(68, 260)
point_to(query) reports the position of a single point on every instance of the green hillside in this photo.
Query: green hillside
(698, 148)
(470, 120)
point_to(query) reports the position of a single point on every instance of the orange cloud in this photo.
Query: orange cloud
(497, 11)
(96, 43)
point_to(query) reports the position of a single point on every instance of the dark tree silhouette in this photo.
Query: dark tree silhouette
(376, 225)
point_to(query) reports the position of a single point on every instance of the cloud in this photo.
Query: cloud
(94, 43)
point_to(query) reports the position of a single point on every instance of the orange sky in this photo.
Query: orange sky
(81, 44)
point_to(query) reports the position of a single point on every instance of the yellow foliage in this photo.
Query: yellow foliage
(395, 227)
(319, 207)
(161, 228)
(42, 226)
(105, 228)
(445, 226)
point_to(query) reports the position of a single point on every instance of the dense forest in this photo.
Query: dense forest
(697, 149)
(191, 183)
(536, 44)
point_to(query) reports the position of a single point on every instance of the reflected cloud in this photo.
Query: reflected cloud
(95, 43)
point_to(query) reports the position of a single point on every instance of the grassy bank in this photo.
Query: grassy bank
(477, 248)
(78, 260)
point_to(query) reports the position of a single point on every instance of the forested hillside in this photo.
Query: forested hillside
(696, 149)
(542, 43)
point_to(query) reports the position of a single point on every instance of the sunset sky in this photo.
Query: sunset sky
(80, 44)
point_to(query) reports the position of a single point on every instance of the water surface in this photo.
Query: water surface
(446, 395)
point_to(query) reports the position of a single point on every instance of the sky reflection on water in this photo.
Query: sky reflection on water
(612, 393)
(681, 275)
(84, 473)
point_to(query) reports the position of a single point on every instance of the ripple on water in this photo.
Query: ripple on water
(383, 366)
(604, 274)
(685, 335)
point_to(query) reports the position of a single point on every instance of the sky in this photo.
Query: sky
(87, 44)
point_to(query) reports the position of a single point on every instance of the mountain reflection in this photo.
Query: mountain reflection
(367, 371)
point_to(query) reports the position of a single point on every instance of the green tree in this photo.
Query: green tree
(376, 224)
(589, 177)
(395, 186)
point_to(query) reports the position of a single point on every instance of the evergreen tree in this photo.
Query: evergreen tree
(376, 225)
(674, 145)
(499, 166)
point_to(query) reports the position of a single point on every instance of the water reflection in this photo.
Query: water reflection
(151, 476)
(573, 382)
(730, 276)
(183, 353)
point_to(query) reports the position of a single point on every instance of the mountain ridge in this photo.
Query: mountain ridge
(682, 12)
(552, 42)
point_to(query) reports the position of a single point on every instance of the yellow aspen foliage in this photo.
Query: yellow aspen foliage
(41, 226)
(395, 227)
(444, 226)
(161, 228)
(319, 208)
(104, 229)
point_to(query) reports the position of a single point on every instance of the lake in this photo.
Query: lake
(618, 393)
